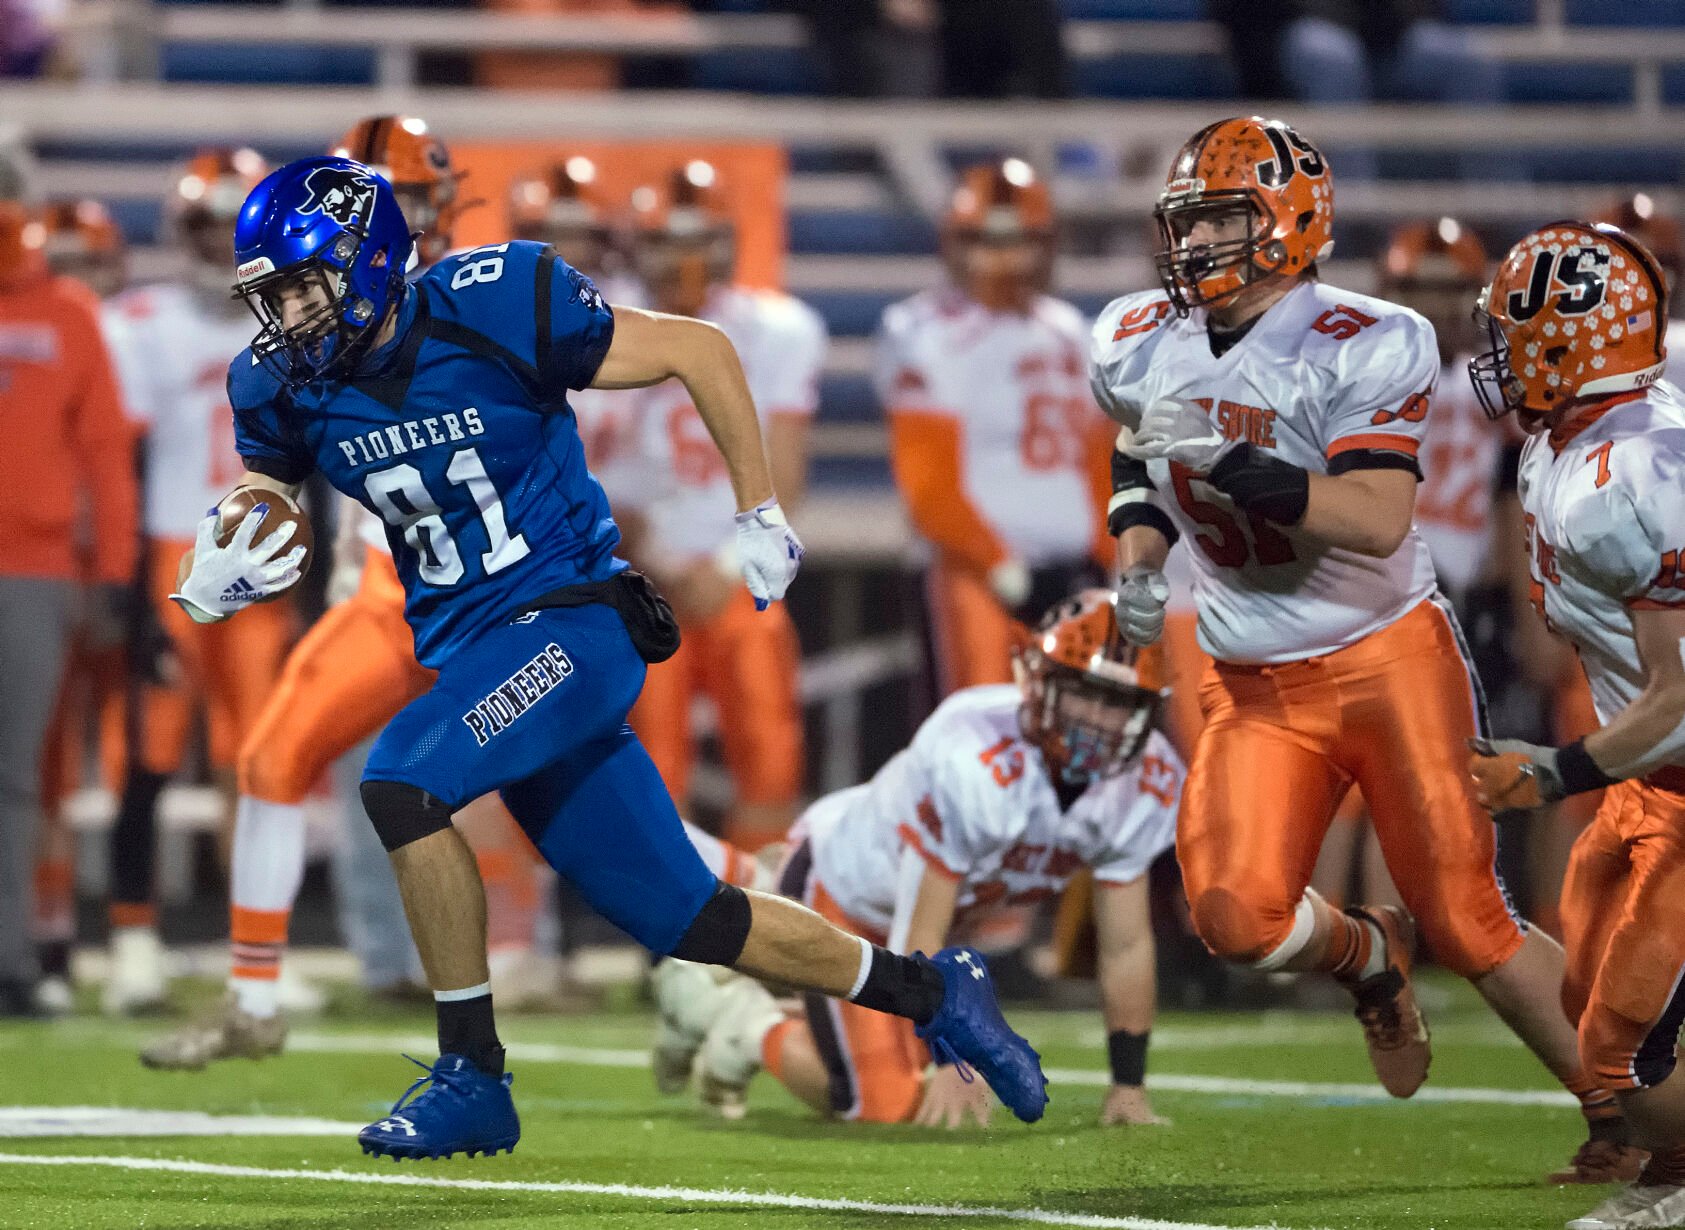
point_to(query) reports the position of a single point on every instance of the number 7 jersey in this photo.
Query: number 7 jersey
(458, 435)
(1326, 379)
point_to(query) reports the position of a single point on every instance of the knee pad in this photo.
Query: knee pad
(720, 929)
(1238, 929)
(402, 813)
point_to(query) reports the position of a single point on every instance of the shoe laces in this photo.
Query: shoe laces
(944, 1053)
(441, 1078)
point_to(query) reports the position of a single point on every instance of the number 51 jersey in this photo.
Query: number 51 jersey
(1326, 379)
(458, 435)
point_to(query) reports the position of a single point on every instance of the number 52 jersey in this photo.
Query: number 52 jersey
(1326, 379)
(457, 434)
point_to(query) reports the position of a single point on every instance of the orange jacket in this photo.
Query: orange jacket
(66, 450)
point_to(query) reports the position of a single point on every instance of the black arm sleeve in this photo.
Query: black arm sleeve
(1373, 459)
(1128, 474)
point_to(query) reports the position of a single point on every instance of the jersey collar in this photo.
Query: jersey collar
(1564, 432)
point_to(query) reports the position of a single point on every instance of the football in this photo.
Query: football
(282, 509)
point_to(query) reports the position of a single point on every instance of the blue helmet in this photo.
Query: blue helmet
(335, 222)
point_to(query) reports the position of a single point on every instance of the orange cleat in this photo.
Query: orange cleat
(1393, 1026)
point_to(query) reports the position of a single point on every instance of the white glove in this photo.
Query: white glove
(231, 578)
(1176, 430)
(1011, 581)
(768, 551)
(1140, 605)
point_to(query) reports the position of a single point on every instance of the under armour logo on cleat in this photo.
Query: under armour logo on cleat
(394, 1123)
(964, 959)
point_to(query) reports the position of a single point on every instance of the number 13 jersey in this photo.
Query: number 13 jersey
(1326, 379)
(458, 435)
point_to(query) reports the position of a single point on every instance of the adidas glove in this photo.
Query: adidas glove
(768, 551)
(226, 579)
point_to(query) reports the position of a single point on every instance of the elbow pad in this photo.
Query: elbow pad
(1134, 501)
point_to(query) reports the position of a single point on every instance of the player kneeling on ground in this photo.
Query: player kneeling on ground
(1005, 793)
(1577, 313)
(442, 407)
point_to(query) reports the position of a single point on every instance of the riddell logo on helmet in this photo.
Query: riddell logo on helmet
(1184, 187)
(252, 268)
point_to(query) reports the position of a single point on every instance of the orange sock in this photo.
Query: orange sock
(1351, 941)
(133, 914)
(55, 899)
(772, 1046)
(257, 938)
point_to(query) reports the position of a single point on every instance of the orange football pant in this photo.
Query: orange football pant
(974, 634)
(346, 679)
(231, 667)
(746, 661)
(1280, 748)
(1623, 914)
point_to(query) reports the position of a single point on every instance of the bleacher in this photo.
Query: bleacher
(1597, 94)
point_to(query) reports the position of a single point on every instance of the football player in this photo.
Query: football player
(1276, 421)
(1577, 313)
(84, 243)
(442, 407)
(1004, 794)
(999, 453)
(563, 206)
(745, 660)
(172, 343)
(418, 166)
(1639, 216)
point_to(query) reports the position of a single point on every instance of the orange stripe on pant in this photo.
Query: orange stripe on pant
(345, 680)
(876, 1061)
(746, 661)
(231, 667)
(1623, 915)
(1281, 746)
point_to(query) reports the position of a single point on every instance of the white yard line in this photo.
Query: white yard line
(603, 1057)
(685, 1195)
(38, 1122)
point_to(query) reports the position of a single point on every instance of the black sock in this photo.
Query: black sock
(134, 838)
(902, 986)
(466, 1028)
(54, 956)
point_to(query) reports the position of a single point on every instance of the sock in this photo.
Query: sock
(129, 915)
(1356, 948)
(772, 1046)
(1597, 1104)
(55, 901)
(908, 987)
(1666, 1166)
(256, 940)
(267, 868)
(134, 843)
(467, 1027)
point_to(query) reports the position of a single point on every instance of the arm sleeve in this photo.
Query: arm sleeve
(1382, 385)
(926, 456)
(1148, 825)
(105, 442)
(262, 436)
(580, 325)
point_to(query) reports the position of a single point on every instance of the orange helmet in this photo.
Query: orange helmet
(1639, 217)
(418, 166)
(205, 199)
(1260, 172)
(23, 245)
(1577, 310)
(562, 206)
(683, 237)
(84, 243)
(1084, 705)
(995, 205)
(1436, 268)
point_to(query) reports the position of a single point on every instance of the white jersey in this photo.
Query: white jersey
(1323, 372)
(171, 350)
(974, 799)
(608, 428)
(682, 487)
(1460, 460)
(1605, 527)
(1015, 386)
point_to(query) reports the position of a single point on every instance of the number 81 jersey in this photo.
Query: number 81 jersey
(457, 434)
(1326, 379)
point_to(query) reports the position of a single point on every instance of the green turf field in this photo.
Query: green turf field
(1244, 1150)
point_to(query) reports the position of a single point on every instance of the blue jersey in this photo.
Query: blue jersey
(458, 435)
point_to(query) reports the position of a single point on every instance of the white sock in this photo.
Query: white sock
(865, 967)
(268, 857)
(258, 997)
(1377, 962)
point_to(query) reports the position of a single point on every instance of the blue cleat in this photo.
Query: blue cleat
(968, 1029)
(463, 1110)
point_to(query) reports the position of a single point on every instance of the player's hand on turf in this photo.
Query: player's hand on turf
(949, 1099)
(1141, 596)
(1127, 1105)
(768, 551)
(230, 578)
(1177, 430)
(1512, 775)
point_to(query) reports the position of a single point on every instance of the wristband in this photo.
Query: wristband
(1259, 482)
(1128, 1055)
(1578, 772)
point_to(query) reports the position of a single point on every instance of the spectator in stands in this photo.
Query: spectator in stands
(551, 70)
(1002, 49)
(26, 36)
(1357, 51)
(65, 473)
(873, 48)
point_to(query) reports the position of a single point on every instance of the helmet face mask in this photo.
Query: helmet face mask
(1206, 270)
